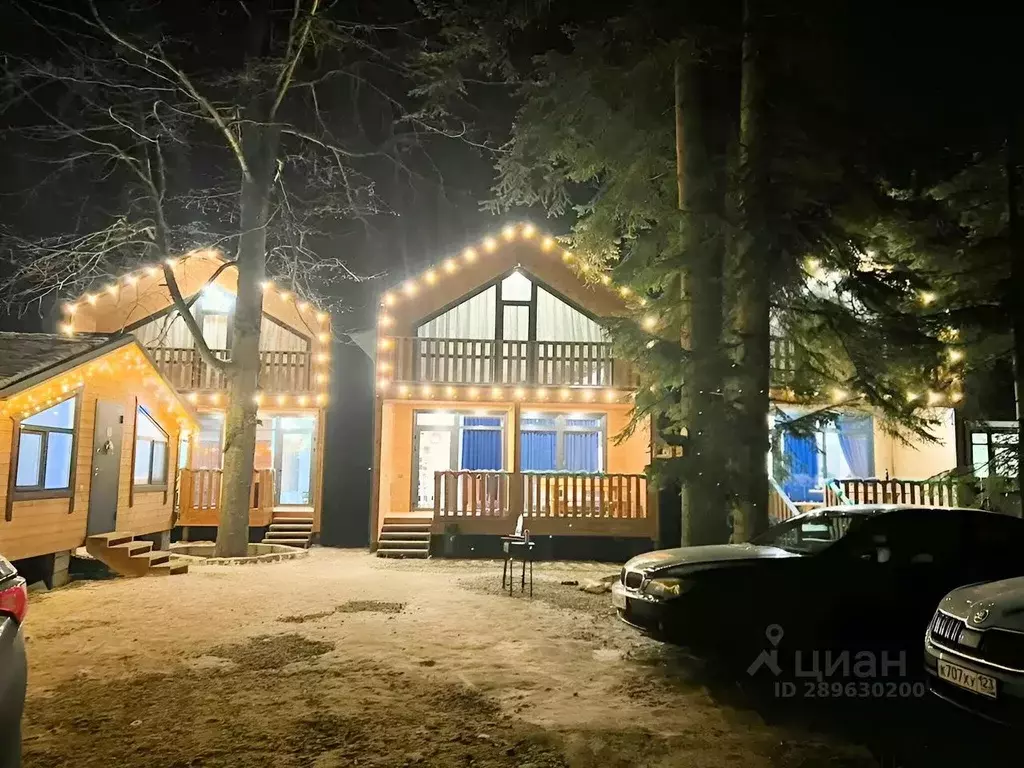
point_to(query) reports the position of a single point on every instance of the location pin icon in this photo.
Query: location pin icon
(774, 634)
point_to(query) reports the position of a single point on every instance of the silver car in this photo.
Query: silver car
(974, 650)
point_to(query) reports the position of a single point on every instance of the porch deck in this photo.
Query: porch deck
(552, 504)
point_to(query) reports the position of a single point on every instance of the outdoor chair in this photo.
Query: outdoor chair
(518, 545)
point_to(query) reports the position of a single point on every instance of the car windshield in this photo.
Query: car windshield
(809, 534)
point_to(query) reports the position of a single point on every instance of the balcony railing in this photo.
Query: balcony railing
(489, 361)
(462, 494)
(279, 371)
(199, 497)
(539, 363)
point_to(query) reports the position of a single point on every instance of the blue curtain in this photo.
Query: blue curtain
(581, 451)
(802, 462)
(854, 439)
(481, 449)
(540, 451)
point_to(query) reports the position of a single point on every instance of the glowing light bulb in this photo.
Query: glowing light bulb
(956, 355)
(324, 337)
(474, 392)
(426, 390)
(564, 393)
(382, 383)
(469, 255)
(385, 344)
(624, 291)
(321, 317)
(449, 391)
(496, 393)
(403, 390)
(409, 287)
(529, 230)
(285, 296)
(450, 265)
(303, 400)
(520, 393)
(547, 243)
(384, 367)
(509, 232)
(650, 322)
(490, 244)
(282, 399)
(430, 277)
(388, 299)
(192, 397)
(130, 280)
(152, 271)
(928, 297)
(70, 308)
(257, 399)
(323, 357)
(542, 394)
(566, 257)
(266, 285)
(386, 321)
(112, 289)
(302, 306)
(605, 280)
(609, 395)
(67, 329)
(170, 262)
(215, 398)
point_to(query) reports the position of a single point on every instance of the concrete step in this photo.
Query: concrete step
(421, 553)
(301, 543)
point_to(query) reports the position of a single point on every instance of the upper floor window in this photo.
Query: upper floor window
(150, 450)
(562, 442)
(46, 449)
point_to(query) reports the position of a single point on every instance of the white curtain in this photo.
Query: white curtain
(472, 319)
(168, 331)
(557, 321)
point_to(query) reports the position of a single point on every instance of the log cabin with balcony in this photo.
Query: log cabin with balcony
(89, 435)
(498, 396)
(295, 341)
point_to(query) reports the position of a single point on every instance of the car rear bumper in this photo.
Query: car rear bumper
(1008, 706)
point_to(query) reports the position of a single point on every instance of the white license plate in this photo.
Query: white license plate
(968, 679)
(619, 601)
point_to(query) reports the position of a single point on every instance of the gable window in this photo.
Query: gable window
(150, 451)
(46, 449)
(562, 442)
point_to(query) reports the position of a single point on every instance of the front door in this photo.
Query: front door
(106, 467)
(293, 458)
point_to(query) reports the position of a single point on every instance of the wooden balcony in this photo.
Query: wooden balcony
(918, 493)
(279, 372)
(533, 363)
(487, 361)
(552, 503)
(199, 497)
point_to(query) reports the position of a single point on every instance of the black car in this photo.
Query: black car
(13, 667)
(851, 577)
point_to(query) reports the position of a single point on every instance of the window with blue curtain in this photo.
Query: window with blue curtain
(802, 462)
(562, 443)
(481, 443)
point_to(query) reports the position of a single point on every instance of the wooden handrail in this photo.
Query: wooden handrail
(922, 493)
(780, 506)
(280, 371)
(467, 493)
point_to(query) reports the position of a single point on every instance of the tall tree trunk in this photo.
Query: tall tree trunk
(1015, 290)
(756, 257)
(243, 377)
(700, 147)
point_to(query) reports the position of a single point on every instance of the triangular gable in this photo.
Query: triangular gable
(445, 284)
(143, 294)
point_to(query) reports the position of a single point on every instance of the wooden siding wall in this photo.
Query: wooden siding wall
(629, 457)
(42, 526)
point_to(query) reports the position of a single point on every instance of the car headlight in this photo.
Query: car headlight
(666, 588)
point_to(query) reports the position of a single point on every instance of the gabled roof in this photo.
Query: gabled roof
(24, 354)
(139, 295)
(517, 246)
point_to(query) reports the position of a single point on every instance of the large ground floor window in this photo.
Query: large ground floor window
(805, 459)
(445, 440)
(562, 442)
(285, 443)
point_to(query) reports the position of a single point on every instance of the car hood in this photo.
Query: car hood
(715, 553)
(995, 603)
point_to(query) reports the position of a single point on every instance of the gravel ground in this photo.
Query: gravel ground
(342, 659)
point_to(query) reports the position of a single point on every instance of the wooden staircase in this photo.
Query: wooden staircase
(291, 527)
(404, 537)
(121, 553)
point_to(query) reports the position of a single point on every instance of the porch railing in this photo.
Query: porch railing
(199, 497)
(461, 494)
(279, 371)
(780, 507)
(488, 361)
(921, 493)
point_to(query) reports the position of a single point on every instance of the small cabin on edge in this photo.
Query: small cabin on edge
(90, 433)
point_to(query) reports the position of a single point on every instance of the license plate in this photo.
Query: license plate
(968, 679)
(619, 601)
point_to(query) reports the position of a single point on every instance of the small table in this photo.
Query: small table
(511, 546)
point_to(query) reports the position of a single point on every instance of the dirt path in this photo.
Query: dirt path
(342, 659)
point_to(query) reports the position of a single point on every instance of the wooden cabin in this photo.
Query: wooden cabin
(286, 491)
(90, 432)
(498, 396)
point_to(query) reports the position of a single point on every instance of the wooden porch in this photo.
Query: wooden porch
(552, 503)
(918, 493)
(199, 497)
